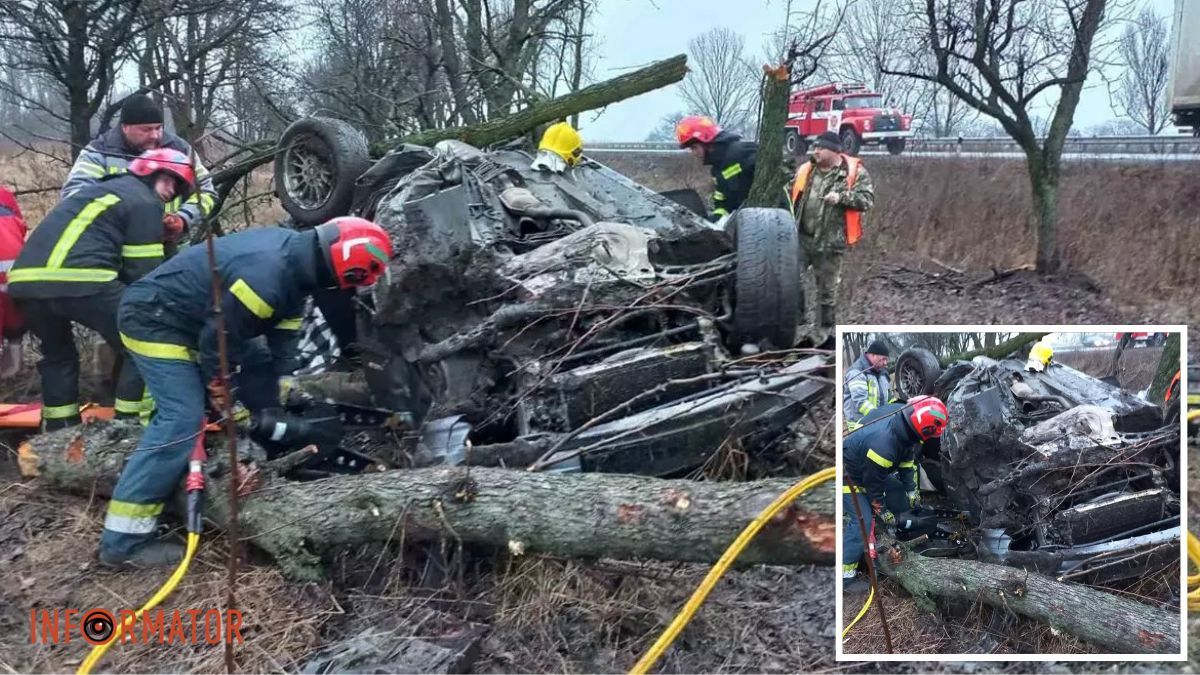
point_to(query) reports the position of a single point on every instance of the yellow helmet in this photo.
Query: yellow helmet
(1039, 356)
(564, 141)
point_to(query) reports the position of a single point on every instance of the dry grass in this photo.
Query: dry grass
(1130, 228)
(1135, 370)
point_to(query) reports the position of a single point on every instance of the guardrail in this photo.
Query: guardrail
(1098, 145)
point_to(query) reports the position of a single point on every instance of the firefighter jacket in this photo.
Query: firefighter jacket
(731, 162)
(107, 233)
(823, 227)
(265, 274)
(863, 390)
(882, 448)
(12, 239)
(108, 154)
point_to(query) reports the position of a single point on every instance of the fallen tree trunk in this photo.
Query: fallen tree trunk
(640, 81)
(654, 76)
(999, 352)
(1117, 624)
(588, 515)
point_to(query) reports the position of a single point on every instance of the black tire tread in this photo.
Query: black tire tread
(769, 300)
(926, 364)
(351, 157)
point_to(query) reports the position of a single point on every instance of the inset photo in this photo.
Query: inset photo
(1011, 493)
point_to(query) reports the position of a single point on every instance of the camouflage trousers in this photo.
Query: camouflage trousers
(824, 277)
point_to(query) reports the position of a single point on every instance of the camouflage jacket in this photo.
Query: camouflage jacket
(823, 226)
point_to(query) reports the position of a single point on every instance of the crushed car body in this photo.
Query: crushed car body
(575, 320)
(1060, 472)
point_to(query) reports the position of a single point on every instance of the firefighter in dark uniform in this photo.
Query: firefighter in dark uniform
(78, 262)
(880, 466)
(168, 326)
(729, 158)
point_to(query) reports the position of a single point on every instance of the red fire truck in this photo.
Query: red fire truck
(849, 109)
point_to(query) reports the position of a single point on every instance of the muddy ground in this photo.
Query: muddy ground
(540, 614)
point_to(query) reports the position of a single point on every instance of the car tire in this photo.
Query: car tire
(768, 296)
(794, 144)
(851, 141)
(917, 372)
(318, 163)
(895, 146)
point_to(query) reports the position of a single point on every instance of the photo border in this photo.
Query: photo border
(841, 657)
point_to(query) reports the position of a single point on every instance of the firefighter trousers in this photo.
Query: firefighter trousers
(853, 546)
(51, 321)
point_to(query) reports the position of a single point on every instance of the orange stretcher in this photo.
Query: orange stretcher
(29, 415)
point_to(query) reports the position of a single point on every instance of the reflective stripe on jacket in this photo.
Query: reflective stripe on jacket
(266, 273)
(863, 390)
(882, 448)
(108, 155)
(107, 233)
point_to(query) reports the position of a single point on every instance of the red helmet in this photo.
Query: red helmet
(696, 129)
(167, 160)
(927, 416)
(357, 250)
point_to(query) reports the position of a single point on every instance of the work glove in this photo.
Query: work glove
(173, 227)
(216, 394)
(887, 517)
(914, 499)
(833, 198)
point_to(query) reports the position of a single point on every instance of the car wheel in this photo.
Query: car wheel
(917, 371)
(768, 297)
(851, 142)
(318, 163)
(794, 144)
(896, 145)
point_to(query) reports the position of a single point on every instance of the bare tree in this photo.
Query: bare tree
(1003, 58)
(80, 47)
(193, 60)
(1141, 92)
(722, 84)
(664, 131)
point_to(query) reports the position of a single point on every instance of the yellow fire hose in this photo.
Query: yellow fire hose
(98, 651)
(861, 613)
(1193, 580)
(722, 565)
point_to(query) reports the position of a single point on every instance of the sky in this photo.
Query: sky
(636, 32)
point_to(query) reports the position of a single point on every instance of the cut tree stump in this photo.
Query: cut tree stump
(1116, 624)
(575, 515)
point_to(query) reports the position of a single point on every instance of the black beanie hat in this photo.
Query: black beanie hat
(878, 348)
(830, 141)
(141, 109)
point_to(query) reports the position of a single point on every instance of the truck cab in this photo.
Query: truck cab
(1185, 67)
(849, 109)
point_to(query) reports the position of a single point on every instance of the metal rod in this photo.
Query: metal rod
(231, 440)
(862, 527)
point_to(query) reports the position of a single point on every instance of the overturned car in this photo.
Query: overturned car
(1057, 471)
(572, 320)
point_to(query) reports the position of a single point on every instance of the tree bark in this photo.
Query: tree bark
(1168, 365)
(1116, 624)
(653, 76)
(1045, 218)
(997, 352)
(770, 176)
(588, 515)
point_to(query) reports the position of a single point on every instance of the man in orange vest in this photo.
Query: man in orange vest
(828, 197)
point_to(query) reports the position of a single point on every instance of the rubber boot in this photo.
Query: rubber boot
(150, 554)
(858, 584)
(61, 423)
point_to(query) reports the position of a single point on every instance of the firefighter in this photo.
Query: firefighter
(169, 328)
(78, 262)
(140, 130)
(866, 385)
(828, 197)
(12, 324)
(729, 158)
(561, 148)
(879, 462)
